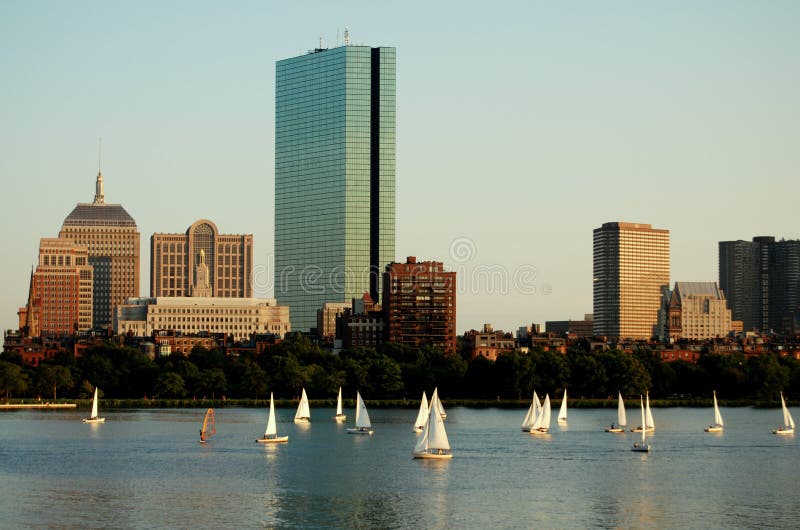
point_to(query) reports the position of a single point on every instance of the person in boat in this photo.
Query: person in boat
(202, 438)
(612, 424)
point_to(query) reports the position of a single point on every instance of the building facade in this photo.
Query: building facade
(326, 318)
(334, 176)
(761, 279)
(631, 265)
(696, 311)
(174, 259)
(236, 317)
(580, 328)
(419, 301)
(112, 239)
(60, 294)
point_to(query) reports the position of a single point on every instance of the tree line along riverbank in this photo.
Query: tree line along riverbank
(393, 373)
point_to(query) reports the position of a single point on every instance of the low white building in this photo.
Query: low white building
(239, 317)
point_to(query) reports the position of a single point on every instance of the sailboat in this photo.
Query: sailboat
(532, 414)
(562, 413)
(433, 442)
(271, 434)
(719, 425)
(93, 418)
(363, 425)
(622, 420)
(303, 414)
(340, 417)
(438, 401)
(422, 415)
(541, 424)
(648, 422)
(643, 446)
(788, 421)
(209, 428)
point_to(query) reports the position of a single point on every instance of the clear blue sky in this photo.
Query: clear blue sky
(521, 126)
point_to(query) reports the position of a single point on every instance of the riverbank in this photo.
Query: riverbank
(156, 403)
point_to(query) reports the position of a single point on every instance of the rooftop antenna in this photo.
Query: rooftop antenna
(346, 36)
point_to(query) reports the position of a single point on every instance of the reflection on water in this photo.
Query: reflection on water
(146, 469)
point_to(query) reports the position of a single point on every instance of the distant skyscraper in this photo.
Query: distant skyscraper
(631, 266)
(334, 177)
(60, 297)
(110, 234)
(227, 260)
(761, 279)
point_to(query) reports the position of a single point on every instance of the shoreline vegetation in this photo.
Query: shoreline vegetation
(167, 403)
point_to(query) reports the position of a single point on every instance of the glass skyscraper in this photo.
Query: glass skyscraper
(334, 177)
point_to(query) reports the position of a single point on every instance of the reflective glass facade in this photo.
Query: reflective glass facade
(334, 177)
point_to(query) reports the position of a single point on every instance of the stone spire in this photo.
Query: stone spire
(30, 330)
(99, 198)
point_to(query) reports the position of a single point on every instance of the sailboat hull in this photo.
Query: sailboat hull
(639, 429)
(562, 420)
(302, 420)
(276, 440)
(418, 429)
(616, 430)
(340, 418)
(93, 420)
(784, 431)
(640, 447)
(714, 428)
(360, 431)
(539, 431)
(427, 455)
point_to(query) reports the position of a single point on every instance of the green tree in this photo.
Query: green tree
(767, 376)
(12, 379)
(212, 381)
(169, 384)
(53, 377)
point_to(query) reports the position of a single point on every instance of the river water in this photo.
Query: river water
(146, 469)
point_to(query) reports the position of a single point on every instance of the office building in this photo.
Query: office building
(60, 293)
(419, 301)
(631, 265)
(334, 176)
(761, 279)
(696, 311)
(112, 239)
(580, 328)
(174, 259)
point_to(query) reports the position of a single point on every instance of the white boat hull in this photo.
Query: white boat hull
(539, 431)
(783, 430)
(714, 428)
(276, 440)
(428, 455)
(639, 429)
(417, 429)
(302, 420)
(340, 418)
(640, 447)
(616, 430)
(93, 420)
(360, 431)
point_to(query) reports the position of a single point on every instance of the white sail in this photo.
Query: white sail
(527, 421)
(272, 428)
(339, 403)
(362, 417)
(537, 413)
(622, 419)
(644, 431)
(302, 409)
(439, 407)
(95, 411)
(788, 421)
(545, 423)
(433, 435)
(423, 413)
(562, 413)
(717, 415)
(649, 423)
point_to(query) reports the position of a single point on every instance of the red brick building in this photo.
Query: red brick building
(419, 300)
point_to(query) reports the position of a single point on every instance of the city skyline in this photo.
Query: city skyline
(693, 120)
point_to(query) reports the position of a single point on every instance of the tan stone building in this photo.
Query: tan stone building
(239, 317)
(631, 265)
(60, 294)
(696, 310)
(112, 239)
(326, 318)
(174, 259)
